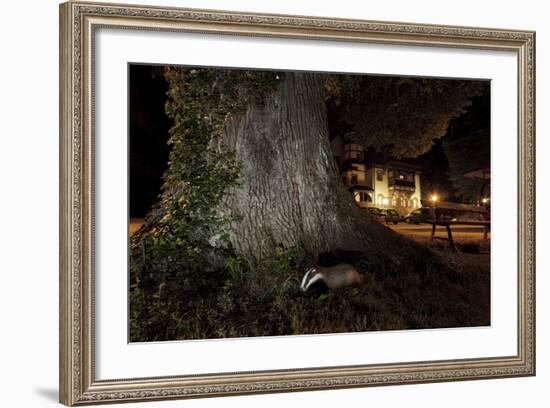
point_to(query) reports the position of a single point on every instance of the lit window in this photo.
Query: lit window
(362, 197)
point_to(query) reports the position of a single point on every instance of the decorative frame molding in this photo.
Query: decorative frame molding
(78, 20)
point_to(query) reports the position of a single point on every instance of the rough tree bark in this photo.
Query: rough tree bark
(292, 193)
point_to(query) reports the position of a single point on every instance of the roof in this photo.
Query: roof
(484, 173)
(374, 158)
(396, 164)
(403, 165)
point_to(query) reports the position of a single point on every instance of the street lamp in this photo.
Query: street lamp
(433, 199)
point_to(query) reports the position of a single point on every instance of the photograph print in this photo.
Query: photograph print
(272, 203)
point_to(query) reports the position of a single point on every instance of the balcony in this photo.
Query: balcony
(402, 185)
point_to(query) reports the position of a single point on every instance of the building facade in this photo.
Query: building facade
(391, 184)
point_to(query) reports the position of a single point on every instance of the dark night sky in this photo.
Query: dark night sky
(149, 128)
(149, 132)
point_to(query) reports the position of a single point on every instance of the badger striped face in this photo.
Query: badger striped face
(309, 278)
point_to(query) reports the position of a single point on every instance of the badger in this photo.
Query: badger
(333, 277)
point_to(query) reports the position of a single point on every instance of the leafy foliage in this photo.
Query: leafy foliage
(184, 238)
(200, 168)
(405, 113)
(435, 175)
(467, 146)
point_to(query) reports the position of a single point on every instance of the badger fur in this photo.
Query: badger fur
(333, 277)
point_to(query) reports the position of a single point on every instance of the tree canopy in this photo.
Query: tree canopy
(467, 146)
(404, 113)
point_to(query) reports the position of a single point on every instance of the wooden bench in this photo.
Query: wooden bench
(447, 224)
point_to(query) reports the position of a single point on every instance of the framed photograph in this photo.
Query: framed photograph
(256, 203)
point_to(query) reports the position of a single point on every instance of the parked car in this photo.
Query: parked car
(419, 215)
(377, 213)
(392, 216)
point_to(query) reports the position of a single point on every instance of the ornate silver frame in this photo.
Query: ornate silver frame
(78, 20)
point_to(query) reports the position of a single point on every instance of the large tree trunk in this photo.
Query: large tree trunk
(292, 194)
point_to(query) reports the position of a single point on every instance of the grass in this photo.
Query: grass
(264, 299)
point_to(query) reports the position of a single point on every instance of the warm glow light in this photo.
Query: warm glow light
(385, 201)
(434, 197)
(485, 200)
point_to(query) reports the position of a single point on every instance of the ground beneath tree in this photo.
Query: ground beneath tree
(456, 295)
